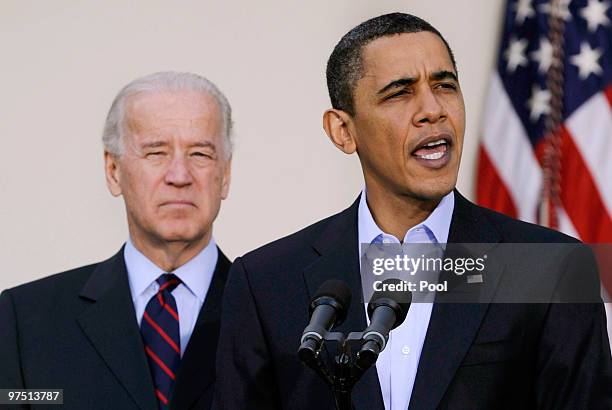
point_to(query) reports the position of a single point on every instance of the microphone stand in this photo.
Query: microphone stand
(345, 371)
(342, 384)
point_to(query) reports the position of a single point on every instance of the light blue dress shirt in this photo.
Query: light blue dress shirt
(195, 275)
(397, 365)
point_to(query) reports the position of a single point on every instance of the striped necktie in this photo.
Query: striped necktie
(161, 337)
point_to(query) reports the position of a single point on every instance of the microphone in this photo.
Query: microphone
(328, 308)
(386, 312)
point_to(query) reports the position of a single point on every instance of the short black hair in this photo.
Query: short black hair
(345, 68)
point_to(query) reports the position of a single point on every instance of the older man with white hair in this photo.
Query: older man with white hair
(138, 330)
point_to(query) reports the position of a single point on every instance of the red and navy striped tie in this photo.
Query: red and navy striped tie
(162, 342)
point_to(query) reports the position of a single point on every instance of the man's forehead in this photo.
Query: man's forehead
(164, 120)
(406, 54)
(153, 110)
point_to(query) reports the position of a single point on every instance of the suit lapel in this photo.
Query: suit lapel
(338, 247)
(197, 370)
(110, 325)
(453, 326)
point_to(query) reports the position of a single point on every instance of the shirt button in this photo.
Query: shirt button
(406, 350)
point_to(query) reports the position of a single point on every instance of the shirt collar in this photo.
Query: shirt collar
(438, 222)
(196, 274)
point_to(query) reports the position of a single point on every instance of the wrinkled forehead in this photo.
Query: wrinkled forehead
(407, 54)
(155, 110)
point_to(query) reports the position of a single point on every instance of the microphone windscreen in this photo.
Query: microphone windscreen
(398, 299)
(337, 290)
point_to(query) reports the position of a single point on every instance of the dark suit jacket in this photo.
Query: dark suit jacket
(475, 356)
(77, 331)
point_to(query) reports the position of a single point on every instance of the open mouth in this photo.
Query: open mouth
(433, 151)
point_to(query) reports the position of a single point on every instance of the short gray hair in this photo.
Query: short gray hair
(112, 137)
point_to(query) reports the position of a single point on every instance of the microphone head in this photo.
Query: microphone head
(335, 293)
(397, 299)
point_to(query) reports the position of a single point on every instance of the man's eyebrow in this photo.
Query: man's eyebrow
(204, 144)
(154, 144)
(401, 82)
(444, 75)
(157, 144)
(406, 81)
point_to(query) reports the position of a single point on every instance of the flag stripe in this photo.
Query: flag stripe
(491, 190)
(522, 111)
(604, 262)
(580, 196)
(565, 223)
(590, 127)
(508, 147)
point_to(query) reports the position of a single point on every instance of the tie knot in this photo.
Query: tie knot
(168, 281)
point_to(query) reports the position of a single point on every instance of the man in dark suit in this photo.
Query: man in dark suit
(139, 330)
(397, 103)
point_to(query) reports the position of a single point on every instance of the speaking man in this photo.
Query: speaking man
(139, 330)
(397, 103)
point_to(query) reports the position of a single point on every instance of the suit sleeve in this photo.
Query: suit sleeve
(245, 377)
(574, 353)
(10, 371)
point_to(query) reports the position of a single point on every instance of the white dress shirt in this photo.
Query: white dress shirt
(195, 275)
(397, 365)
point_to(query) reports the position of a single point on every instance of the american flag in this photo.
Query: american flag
(546, 150)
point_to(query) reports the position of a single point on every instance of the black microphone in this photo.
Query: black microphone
(387, 310)
(327, 309)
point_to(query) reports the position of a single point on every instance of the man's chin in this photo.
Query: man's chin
(185, 236)
(429, 185)
(433, 192)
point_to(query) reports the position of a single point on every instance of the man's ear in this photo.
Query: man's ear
(338, 126)
(227, 178)
(111, 170)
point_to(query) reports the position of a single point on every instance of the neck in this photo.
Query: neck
(396, 214)
(170, 256)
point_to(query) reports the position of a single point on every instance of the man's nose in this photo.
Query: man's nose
(429, 109)
(178, 173)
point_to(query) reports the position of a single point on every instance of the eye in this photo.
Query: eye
(200, 154)
(397, 94)
(155, 154)
(447, 86)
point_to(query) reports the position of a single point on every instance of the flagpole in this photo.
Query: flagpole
(551, 189)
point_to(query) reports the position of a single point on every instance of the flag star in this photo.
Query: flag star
(523, 10)
(586, 61)
(544, 55)
(539, 103)
(595, 14)
(560, 9)
(515, 54)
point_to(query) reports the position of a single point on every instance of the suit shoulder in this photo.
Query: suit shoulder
(295, 240)
(296, 246)
(514, 230)
(71, 280)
